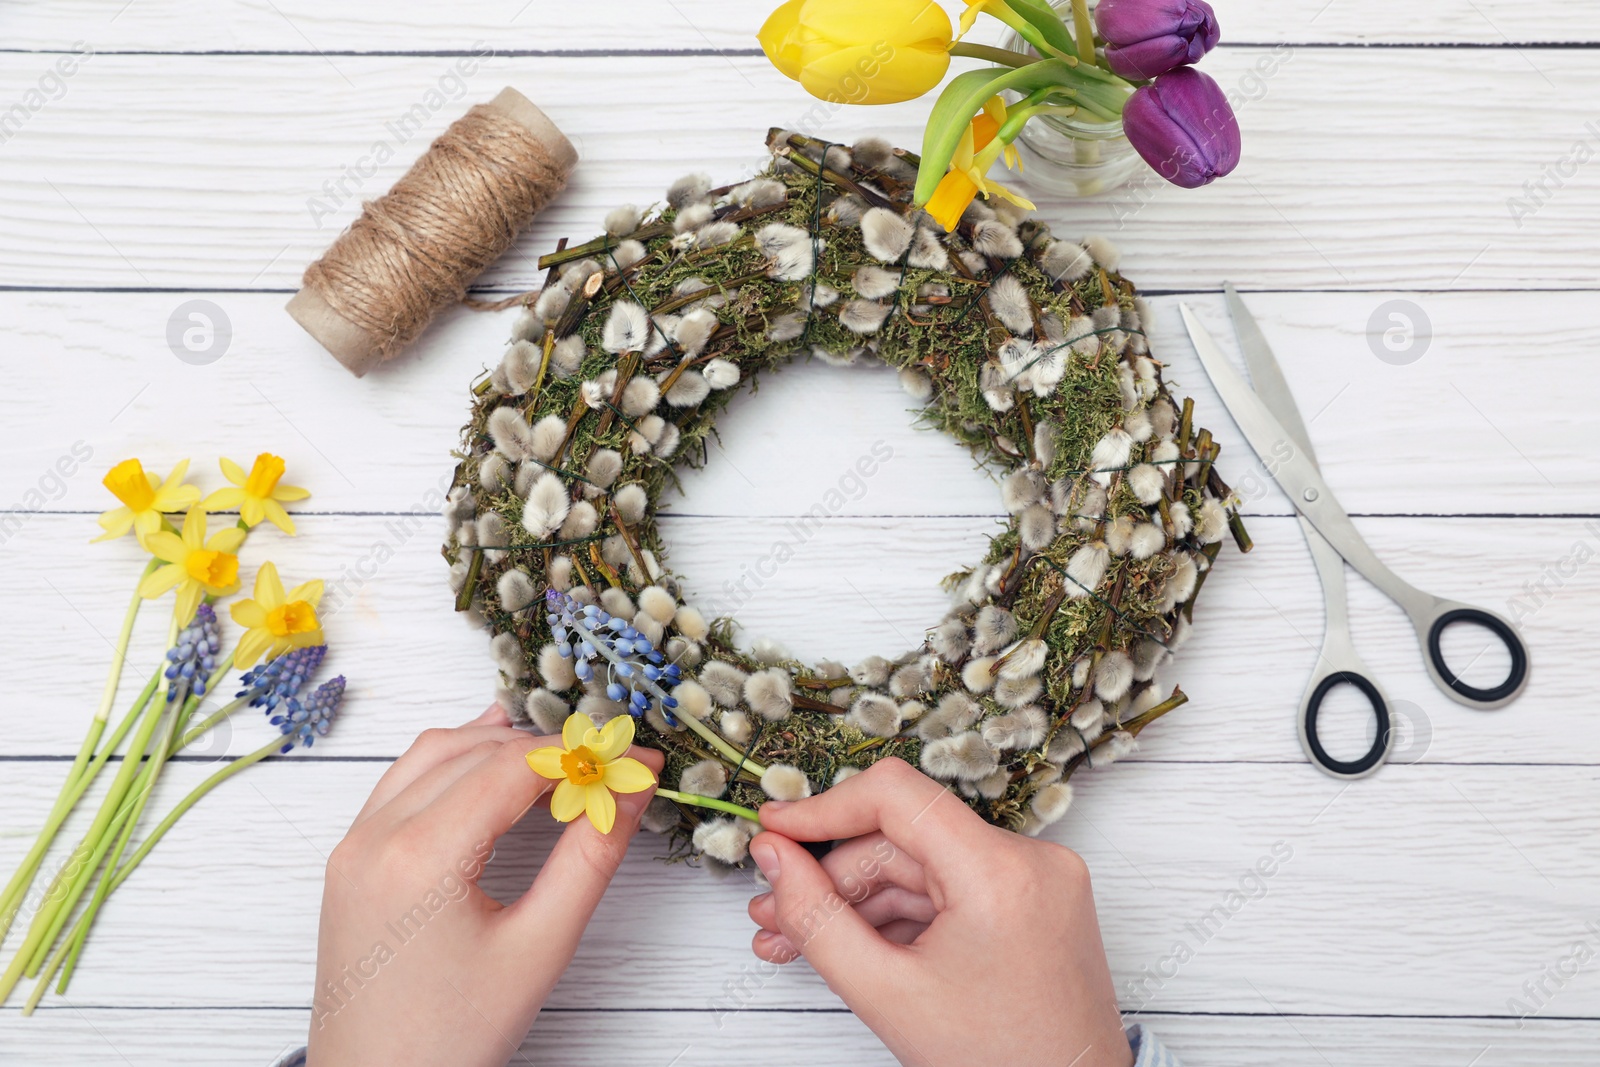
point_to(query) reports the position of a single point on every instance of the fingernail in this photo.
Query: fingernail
(776, 805)
(491, 712)
(760, 898)
(766, 858)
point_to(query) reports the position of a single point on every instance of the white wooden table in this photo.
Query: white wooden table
(1383, 145)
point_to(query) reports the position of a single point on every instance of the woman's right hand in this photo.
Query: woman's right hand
(957, 942)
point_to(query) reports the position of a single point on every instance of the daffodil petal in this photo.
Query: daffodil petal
(252, 644)
(175, 478)
(612, 740)
(251, 511)
(159, 581)
(546, 762)
(226, 540)
(189, 594)
(167, 546)
(146, 523)
(223, 500)
(290, 493)
(249, 614)
(277, 516)
(175, 498)
(231, 471)
(269, 590)
(115, 522)
(310, 592)
(628, 775)
(574, 730)
(568, 801)
(601, 806)
(306, 639)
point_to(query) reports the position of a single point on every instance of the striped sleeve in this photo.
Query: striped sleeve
(1148, 1051)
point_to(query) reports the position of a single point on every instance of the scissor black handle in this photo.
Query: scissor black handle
(1495, 625)
(1380, 713)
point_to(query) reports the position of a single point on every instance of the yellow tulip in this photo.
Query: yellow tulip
(850, 52)
(589, 766)
(977, 152)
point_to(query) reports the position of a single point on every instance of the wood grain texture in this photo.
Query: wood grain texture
(303, 26)
(1258, 628)
(1504, 443)
(1413, 906)
(1428, 890)
(580, 1038)
(244, 192)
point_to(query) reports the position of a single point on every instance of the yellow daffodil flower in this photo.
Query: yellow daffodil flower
(144, 497)
(196, 564)
(977, 152)
(590, 766)
(257, 495)
(975, 8)
(848, 52)
(276, 621)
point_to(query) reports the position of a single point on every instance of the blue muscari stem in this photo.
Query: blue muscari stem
(304, 721)
(193, 656)
(583, 631)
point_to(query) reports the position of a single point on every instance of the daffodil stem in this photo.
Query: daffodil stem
(119, 655)
(80, 931)
(74, 877)
(129, 820)
(709, 802)
(1004, 56)
(16, 890)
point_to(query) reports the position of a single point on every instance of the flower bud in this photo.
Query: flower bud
(1183, 127)
(847, 52)
(1145, 38)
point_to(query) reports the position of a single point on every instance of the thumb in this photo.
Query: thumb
(820, 924)
(570, 884)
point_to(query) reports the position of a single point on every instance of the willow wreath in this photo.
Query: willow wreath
(1028, 350)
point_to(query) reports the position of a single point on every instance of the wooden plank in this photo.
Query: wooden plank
(235, 177)
(1471, 426)
(1425, 890)
(301, 26)
(210, 1037)
(1258, 627)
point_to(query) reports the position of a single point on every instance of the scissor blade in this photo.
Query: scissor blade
(1266, 376)
(1287, 462)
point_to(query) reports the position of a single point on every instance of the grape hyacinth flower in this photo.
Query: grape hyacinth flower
(635, 672)
(1146, 38)
(1183, 127)
(304, 721)
(193, 656)
(279, 679)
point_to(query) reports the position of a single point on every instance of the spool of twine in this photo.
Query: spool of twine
(414, 251)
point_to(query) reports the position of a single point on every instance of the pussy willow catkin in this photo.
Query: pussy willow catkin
(415, 250)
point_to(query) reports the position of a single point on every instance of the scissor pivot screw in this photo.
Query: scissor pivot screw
(1309, 495)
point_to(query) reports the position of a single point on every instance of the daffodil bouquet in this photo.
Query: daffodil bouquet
(1128, 61)
(279, 650)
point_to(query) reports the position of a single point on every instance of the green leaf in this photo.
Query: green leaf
(1044, 18)
(963, 98)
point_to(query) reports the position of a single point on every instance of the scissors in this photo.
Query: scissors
(1271, 423)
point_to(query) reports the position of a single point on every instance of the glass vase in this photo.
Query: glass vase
(1072, 156)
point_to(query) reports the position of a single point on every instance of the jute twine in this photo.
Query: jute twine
(415, 250)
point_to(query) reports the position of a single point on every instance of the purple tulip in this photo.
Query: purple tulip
(1183, 127)
(1146, 38)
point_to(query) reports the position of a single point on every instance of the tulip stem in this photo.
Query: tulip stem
(1003, 56)
(1083, 31)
